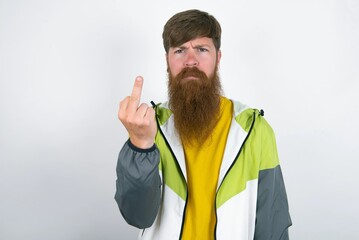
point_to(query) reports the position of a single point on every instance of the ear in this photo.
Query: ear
(166, 55)
(219, 55)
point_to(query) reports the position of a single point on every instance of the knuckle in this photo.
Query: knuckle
(144, 105)
(121, 115)
(139, 123)
(151, 111)
(129, 120)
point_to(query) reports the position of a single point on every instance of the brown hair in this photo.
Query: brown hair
(188, 25)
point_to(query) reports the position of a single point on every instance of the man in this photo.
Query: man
(200, 166)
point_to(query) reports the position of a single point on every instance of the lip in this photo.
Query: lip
(189, 78)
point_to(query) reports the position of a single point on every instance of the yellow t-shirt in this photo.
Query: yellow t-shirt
(203, 164)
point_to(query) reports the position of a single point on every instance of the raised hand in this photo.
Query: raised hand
(139, 120)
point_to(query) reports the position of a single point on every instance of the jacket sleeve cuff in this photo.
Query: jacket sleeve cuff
(142, 150)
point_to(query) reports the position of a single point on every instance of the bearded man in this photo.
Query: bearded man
(199, 166)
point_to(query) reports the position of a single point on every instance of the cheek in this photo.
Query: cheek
(174, 67)
(208, 68)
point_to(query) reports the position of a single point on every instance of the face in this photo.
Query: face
(200, 53)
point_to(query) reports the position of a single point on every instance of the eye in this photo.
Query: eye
(202, 49)
(177, 51)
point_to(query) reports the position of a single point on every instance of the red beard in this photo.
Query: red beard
(195, 103)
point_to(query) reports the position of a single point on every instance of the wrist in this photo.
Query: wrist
(141, 144)
(142, 150)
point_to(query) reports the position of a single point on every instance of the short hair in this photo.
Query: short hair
(187, 25)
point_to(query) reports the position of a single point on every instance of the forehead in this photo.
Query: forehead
(200, 41)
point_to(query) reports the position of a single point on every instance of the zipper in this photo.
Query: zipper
(174, 156)
(229, 169)
(143, 232)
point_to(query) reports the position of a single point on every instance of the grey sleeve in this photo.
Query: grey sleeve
(272, 219)
(138, 185)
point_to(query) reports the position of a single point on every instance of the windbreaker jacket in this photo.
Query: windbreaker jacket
(250, 203)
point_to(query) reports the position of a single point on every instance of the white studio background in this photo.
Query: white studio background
(65, 65)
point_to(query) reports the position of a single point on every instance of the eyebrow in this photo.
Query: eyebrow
(195, 46)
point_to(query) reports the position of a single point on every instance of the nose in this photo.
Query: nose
(191, 60)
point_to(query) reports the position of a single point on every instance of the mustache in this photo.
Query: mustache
(191, 72)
